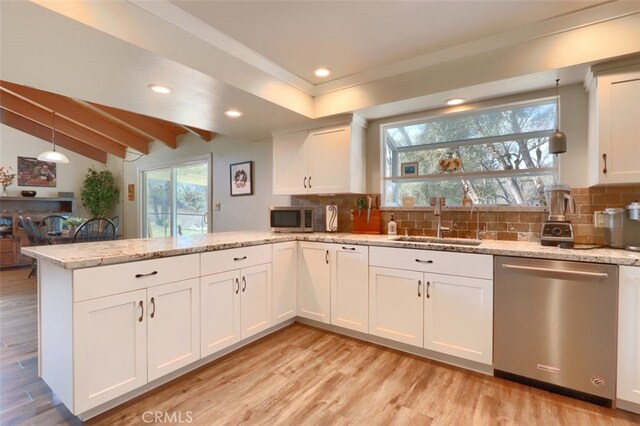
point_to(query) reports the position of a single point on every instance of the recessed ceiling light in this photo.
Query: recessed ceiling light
(158, 88)
(322, 72)
(233, 113)
(455, 101)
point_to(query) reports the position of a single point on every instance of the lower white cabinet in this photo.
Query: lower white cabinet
(628, 387)
(284, 281)
(458, 316)
(234, 305)
(350, 287)
(314, 281)
(395, 305)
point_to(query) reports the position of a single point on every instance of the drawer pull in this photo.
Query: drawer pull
(239, 258)
(141, 311)
(146, 275)
(237, 286)
(424, 261)
(244, 282)
(349, 248)
(153, 303)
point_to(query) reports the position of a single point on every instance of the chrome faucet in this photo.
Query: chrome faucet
(478, 219)
(437, 211)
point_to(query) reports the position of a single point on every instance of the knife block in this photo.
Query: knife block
(360, 225)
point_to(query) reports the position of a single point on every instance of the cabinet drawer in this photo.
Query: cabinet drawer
(440, 262)
(214, 262)
(102, 281)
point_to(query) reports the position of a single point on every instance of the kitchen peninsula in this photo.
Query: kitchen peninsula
(122, 317)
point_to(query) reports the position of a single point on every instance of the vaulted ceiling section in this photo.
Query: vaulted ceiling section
(88, 129)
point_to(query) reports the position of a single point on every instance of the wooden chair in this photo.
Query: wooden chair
(96, 229)
(34, 236)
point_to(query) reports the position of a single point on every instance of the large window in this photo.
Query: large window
(502, 156)
(176, 199)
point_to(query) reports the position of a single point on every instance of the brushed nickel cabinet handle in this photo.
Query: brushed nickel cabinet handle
(153, 303)
(326, 257)
(244, 284)
(305, 182)
(142, 311)
(309, 181)
(428, 284)
(419, 284)
(424, 261)
(604, 157)
(239, 258)
(237, 286)
(146, 275)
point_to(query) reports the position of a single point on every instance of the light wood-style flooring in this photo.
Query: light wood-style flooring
(299, 375)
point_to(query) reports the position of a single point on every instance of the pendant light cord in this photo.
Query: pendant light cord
(557, 105)
(53, 131)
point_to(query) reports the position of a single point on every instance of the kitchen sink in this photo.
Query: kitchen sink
(434, 240)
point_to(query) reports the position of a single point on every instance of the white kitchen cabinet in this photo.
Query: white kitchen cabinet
(235, 304)
(321, 161)
(350, 287)
(110, 347)
(173, 327)
(314, 281)
(628, 386)
(458, 316)
(284, 281)
(396, 305)
(614, 108)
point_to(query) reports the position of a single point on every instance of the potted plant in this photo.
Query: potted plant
(72, 223)
(99, 192)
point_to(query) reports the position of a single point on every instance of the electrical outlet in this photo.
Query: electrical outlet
(598, 220)
(217, 207)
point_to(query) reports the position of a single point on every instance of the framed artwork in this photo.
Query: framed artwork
(409, 169)
(33, 172)
(241, 175)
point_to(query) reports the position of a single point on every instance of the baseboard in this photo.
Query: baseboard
(628, 406)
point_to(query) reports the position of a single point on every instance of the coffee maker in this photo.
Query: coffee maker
(557, 230)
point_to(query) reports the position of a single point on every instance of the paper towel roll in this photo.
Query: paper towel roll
(331, 218)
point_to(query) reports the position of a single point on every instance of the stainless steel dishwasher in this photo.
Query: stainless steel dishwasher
(555, 326)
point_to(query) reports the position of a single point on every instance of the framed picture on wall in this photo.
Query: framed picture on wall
(409, 169)
(33, 172)
(241, 175)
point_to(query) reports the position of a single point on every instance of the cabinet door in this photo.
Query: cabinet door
(395, 305)
(290, 175)
(458, 317)
(284, 281)
(329, 160)
(219, 311)
(350, 288)
(173, 315)
(619, 127)
(629, 335)
(110, 348)
(314, 281)
(255, 306)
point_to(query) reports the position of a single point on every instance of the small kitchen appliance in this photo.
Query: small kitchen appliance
(557, 230)
(622, 227)
(291, 219)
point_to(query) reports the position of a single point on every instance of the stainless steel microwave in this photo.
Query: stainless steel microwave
(291, 219)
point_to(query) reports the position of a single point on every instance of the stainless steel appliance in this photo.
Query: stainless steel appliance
(555, 326)
(622, 227)
(291, 219)
(557, 230)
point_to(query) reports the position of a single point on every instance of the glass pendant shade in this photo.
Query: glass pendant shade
(53, 156)
(557, 140)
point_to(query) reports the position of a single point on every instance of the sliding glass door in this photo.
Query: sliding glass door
(177, 199)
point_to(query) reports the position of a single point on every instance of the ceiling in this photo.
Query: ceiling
(387, 57)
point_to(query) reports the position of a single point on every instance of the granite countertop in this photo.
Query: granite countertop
(85, 255)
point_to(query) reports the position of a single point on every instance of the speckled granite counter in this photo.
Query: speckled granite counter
(85, 255)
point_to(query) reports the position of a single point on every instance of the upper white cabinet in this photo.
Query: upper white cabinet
(321, 161)
(614, 108)
(628, 387)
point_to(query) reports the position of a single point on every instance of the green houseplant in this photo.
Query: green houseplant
(99, 192)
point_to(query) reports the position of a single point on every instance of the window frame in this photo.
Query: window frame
(461, 112)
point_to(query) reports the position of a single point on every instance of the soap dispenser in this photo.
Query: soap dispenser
(392, 227)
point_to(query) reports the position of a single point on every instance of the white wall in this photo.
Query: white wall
(573, 119)
(236, 213)
(14, 143)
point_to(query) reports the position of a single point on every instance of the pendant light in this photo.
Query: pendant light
(557, 140)
(53, 156)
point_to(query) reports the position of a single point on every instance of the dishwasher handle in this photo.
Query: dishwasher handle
(557, 271)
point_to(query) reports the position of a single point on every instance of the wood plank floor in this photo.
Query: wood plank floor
(299, 375)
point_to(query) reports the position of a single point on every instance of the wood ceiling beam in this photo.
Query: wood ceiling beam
(20, 106)
(67, 107)
(25, 125)
(151, 127)
(205, 135)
